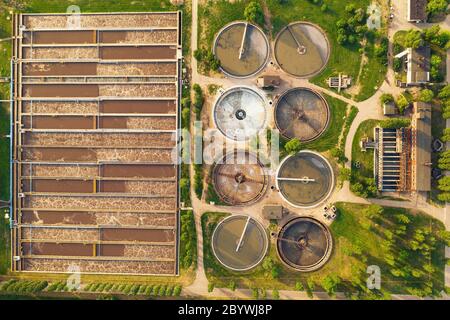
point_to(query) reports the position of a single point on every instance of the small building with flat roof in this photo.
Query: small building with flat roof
(272, 212)
(417, 10)
(340, 82)
(267, 81)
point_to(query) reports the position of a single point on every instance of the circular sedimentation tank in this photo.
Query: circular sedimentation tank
(239, 242)
(242, 49)
(305, 179)
(239, 178)
(302, 113)
(302, 49)
(304, 244)
(240, 113)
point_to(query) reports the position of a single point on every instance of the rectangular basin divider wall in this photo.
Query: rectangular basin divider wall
(95, 121)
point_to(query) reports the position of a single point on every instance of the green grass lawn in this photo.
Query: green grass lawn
(4, 153)
(98, 6)
(372, 74)
(5, 58)
(355, 227)
(365, 158)
(212, 196)
(330, 138)
(188, 240)
(5, 249)
(355, 248)
(209, 222)
(213, 15)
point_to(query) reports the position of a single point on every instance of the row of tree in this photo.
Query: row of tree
(408, 245)
(207, 60)
(444, 157)
(437, 6)
(416, 38)
(134, 289)
(17, 286)
(188, 239)
(404, 100)
(197, 104)
(35, 286)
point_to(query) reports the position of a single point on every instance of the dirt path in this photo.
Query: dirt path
(267, 19)
(356, 87)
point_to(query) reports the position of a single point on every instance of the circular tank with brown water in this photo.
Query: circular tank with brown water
(304, 244)
(302, 113)
(305, 180)
(302, 49)
(239, 178)
(239, 242)
(242, 49)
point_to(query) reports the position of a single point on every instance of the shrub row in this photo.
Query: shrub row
(21, 286)
(134, 289)
(60, 286)
(188, 243)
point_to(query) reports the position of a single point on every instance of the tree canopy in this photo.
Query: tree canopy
(413, 39)
(293, 146)
(437, 6)
(426, 95)
(395, 123)
(254, 13)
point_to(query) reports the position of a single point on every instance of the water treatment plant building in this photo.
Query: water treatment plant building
(95, 113)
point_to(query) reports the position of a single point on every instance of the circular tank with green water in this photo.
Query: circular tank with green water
(239, 242)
